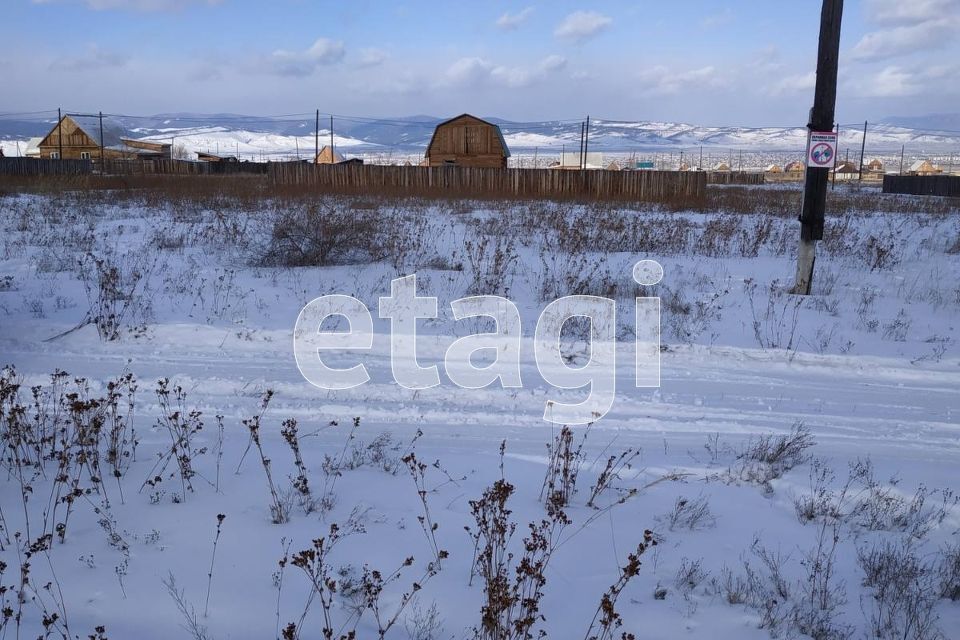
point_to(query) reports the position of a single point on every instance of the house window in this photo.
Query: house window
(84, 155)
(54, 155)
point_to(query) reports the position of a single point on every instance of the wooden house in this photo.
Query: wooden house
(797, 166)
(875, 165)
(773, 168)
(147, 149)
(846, 170)
(721, 166)
(467, 141)
(924, 168)
(212, 157)
(78, 138)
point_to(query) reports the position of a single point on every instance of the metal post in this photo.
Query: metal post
(821, 119)
(316, 138)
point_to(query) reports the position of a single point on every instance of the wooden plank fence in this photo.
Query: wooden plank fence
(470, 182)
(735, 177)
(38, 167)
(948, 186)
(180, 167)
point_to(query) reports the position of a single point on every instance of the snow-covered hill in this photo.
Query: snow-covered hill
(272, 137)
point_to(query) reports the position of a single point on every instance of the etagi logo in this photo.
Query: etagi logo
(498, 350)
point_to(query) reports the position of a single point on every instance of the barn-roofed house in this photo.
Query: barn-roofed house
(78, 137)
(875, 165)
(721, 166)
(467, 141)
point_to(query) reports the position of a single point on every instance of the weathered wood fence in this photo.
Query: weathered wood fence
(470, 182)
(180, 167)
(37, 167)
(923, 185)
(735, 177)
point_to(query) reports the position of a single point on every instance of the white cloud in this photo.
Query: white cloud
(663, 81)
(895, 81)
(135, 5)
(372, 57)
(304, 63)
(725, 16)
(795, 83)
(509, 21)
(903, 40)
(900, 12)
(475, 71)
(93, 58)
(580, 25)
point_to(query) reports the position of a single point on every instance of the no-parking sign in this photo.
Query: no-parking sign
(822, 149)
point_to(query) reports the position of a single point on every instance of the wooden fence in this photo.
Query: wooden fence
(735, 177)
(470, 182)
(180, 167)
(37, 167)
(923, 185)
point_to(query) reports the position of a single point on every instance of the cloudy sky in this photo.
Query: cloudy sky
(725, 63)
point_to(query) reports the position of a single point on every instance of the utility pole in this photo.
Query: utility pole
(582, 125)
(331, 140)
(740, 169)
(821, 119)
(902, 147)
(59, 134)
(101, 142)
(316, 138)
(700, 165)
(863, 146)
(586, 142)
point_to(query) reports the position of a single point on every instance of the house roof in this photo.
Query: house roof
(503, 143)
(325, 157)
(90, 124)
(922, 164)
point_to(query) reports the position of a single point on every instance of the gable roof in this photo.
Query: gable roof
(328, 156)
(503, 143)
(90, 125)
(923, 165)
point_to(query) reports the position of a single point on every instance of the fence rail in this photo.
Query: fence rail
(180, 167)
(647, 186)
(923, 185)
(735, 177)
(37, 167)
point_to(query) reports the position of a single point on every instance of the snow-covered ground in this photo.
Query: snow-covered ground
(752, 540)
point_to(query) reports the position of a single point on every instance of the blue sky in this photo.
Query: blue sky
(725, 63)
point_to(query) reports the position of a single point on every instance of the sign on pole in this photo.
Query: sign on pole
(822, 149)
